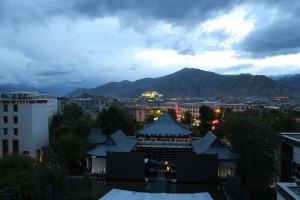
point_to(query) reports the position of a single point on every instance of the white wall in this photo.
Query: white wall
(32, 126)
(226, 168)
(99, 165)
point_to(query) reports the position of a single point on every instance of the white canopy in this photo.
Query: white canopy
(116, 194)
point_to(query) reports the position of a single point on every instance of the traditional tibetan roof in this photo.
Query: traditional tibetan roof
(96, 136)
(165, 125)
(117, 142)
(123, 142)
(210, 144)
(203, 144)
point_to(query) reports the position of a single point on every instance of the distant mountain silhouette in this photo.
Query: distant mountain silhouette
(292, 80)
(190, 82)
(55, 90)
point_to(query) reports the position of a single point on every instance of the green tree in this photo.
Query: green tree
(207, 115)
(173, 114)
(195, 132)
(114, 119)
(68, 136)
(222, 116)
(281, 120)
(149, 119)
(187, 118)
(256, 142)
(16, 172)
(72, 111)
(71, 151)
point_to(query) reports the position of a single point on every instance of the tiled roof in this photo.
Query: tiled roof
(203, 144)
(96, 136)
(165, 125)
(211, 145)
(123, 142)
(117, 142)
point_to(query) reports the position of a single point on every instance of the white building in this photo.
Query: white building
(24, 122)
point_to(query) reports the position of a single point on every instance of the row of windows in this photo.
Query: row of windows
(192, 107)
(5, 108)
(5, 147)
(15, 130)
(15, 119)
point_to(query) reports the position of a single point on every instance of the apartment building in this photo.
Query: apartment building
(24, 120)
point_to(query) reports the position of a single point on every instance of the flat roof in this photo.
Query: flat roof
(295, 136)
(288, 190)
(116, 194)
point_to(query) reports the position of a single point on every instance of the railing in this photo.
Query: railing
(10, 193)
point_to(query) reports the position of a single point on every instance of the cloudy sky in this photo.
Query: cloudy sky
(85, 43)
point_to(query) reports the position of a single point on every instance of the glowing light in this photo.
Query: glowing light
(216, 121)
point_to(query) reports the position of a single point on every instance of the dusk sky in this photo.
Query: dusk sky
(86, 43)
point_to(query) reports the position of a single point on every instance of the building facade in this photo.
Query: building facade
(24, 123)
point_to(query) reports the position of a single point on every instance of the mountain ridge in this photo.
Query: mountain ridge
(191, 82)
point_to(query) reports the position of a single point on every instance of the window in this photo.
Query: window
(5, 131)
(4, 147)
(15, 146)
(16, 131)
(15, 108)
(15, 119)
(5, 119)
(5, 108)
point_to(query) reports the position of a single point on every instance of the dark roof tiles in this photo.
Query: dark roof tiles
(165, 125)
(117, 142)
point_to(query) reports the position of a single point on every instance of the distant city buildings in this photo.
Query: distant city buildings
(24, 123)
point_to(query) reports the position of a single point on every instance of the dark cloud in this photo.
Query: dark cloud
(129, 11)
(278, 36)
(172, 11)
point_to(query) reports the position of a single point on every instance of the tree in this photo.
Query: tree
(207, 115)
(222, 116)
(255, 141)
(16, 172)
(71, 150)
(173, 114)
(68, 136)
(72, 111)
(281, 120)
(114, 119)
(187, 118)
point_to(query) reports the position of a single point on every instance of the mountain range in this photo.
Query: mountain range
(187, 82)
(190, 82)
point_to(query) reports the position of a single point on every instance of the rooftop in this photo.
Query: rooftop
(115, 194)
(288, 191)
(210, 144)
(292, 136)
(165, 125)
(117, 142)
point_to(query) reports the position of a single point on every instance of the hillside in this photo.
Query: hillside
(292, 81)
(190, 82)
